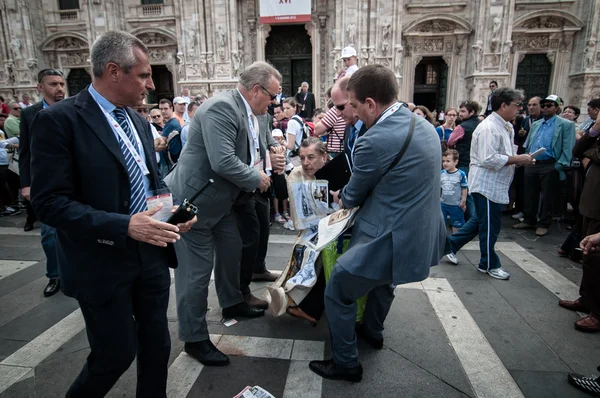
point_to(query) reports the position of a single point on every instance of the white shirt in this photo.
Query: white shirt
(24, 105)
(491, 146)
(252, 126)
(155, 135)
(350, 70)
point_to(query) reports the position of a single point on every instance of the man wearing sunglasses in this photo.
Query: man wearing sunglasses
(51, 84)
(557, 136)
(11, 125)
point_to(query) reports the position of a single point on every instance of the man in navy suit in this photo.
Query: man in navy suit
(92, 167)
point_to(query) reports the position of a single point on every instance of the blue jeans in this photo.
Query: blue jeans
(49, 246)
(486, 223)
(470, 203)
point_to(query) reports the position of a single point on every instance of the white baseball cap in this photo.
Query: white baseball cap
(277, 133)
(348, 52)
(179, 100)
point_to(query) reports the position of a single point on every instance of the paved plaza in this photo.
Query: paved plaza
(458, 333)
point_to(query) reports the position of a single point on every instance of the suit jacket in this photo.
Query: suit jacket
(399, 232)
(347, 149)
(80, 186)
(309, 104)
(27, 116)
(563, 141)
(589, 147)
(217, 147)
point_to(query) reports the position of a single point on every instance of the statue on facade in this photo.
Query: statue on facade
(179, 61)
(203, 66)
(399, 60)
(15, 45)
(210, 65)
(496, 25)
(385, 38)
(221, 40)
(506, 55)
(191, 36)
(589, 54)
(478, 55)
(240, 40)
(351, 34)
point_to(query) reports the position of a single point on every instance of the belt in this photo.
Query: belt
(545, 161)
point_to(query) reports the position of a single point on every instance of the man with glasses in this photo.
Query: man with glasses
(223, 145)
(493, 87)
(349, 59)
(306, 99)
(333, 126)
(51, 84)
(557, 136)
(493, 160)
(13, 121)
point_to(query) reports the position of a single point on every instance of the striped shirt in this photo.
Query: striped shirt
(491, 146)
(335, 126)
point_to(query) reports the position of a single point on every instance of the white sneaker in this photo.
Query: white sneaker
(518, 216)
(289, 225)
(498, 273)
(452, 258)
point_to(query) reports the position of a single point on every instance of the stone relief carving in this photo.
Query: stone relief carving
(496, 25)
(478, 55)
(32, 63)
(398, 61)
(385, 37)
(191, 38)
(364, 58)
(237, 63)
(75, 59)
(203, 65)
(69, 43)
(435, 26)
(521, 57)
(210, 62)
(506, 51)
(459, 44)
(491, 60)
(566, 44)
(549, 22)
(153, 39)
(221, 40)
(351, 34)
(588, 52)
(551, 57)
(181, 62)
(15, 45)
(431, 45)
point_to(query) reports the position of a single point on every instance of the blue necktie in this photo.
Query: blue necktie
(352, 138)
(136, 178)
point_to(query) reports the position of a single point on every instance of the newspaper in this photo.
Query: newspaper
(254, 392)
(304, 266)
(309, 199)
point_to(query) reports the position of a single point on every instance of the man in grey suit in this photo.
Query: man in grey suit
(399, 232)
(222, 145)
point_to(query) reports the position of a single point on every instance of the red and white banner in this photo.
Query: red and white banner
(284, 11)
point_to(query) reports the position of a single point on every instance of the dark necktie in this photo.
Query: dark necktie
(136, 178)
(352, 140)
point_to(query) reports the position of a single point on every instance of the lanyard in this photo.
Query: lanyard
(388, 112)
(132, 150)
(255, 153)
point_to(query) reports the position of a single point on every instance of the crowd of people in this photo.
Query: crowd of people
(91, 166)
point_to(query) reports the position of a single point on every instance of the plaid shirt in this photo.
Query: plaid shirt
(491, 146)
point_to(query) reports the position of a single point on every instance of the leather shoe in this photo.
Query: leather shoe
(588, 324)
(576, 305)
(363, 334)
(206, 353)
(255, 302)
(541, 231)
(329, 370)
(242, 310)
(266, 276)
(52, 288)
(28, 227)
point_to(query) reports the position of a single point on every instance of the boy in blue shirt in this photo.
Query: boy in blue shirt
(454, 193)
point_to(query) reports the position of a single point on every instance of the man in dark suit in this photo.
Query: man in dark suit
(279, 97)
(51, 84)
(306, 99)
(92, 167)
(589, 207)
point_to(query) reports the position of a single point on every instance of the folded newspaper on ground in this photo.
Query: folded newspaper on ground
(304, 266)
(309, 199)
(254, 392)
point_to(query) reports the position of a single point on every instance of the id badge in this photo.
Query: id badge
(157, 197)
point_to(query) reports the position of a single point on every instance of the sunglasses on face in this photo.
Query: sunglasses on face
(518, 104)
(155, 116)
(16, 109)
(544, 106)
(49, 72)
(341, 107)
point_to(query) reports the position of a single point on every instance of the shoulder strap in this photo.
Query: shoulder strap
(411, 131)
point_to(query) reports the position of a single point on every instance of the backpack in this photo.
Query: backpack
(305, 134)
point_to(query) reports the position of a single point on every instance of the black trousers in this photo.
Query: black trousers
(249, 228)
(540, 179)
(132, 322)
(518, 184)
(263, 213)
(590, 280)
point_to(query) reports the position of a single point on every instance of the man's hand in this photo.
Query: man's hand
(463, 205)
(160, 144)
(26, 192)
(590, 243)
(336, 197)
(277, 160)
(522, 132)
(265, 182)
(186, 226)
(143, 228)
(524, 159)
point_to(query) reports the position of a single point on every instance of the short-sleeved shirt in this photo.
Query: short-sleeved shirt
(294, 127)
(443, 133)
(452, 186)
(336, 127)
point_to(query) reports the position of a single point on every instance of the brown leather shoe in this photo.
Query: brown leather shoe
(541, 231)
(255, 302)
(266, 276)
(588, 324)
(576, 305)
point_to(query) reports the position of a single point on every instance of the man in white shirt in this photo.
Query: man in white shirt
(493, 160)
(349, 59)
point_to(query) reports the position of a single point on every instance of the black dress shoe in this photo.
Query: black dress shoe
(329, 370)
(52, 288)
(28, 226)
(242, 310)
(206, 353)
(373, 342)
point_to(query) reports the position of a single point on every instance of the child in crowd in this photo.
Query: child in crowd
(280, 193)
(454, 193)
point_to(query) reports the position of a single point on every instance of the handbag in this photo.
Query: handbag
(13, 161)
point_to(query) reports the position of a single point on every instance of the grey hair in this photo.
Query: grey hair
(505, 95)
(303, 83)
(258, 73)
(117, 47)
(11, 103)
(320, 146)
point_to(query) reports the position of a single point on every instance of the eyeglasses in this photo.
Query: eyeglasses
(451, 115)
(517, 104)
(49, 72)
(544, 106)
(273, 96)
(155, 116)
(16, 109)
(341, 107)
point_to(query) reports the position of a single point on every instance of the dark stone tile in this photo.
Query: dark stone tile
(22, 300)
(53, 377)
(21, 241)
(22, 253)
(22, 277)
(8, 347)
(227, 381)
(546, 385)
(25, 388)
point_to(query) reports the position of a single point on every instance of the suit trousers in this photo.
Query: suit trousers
(264, 219)
(250, 231)
(197, 251)
(132, 322)
(49, 246)
(486, 224)
(341, 294)
(540, 178)
(589, 289)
